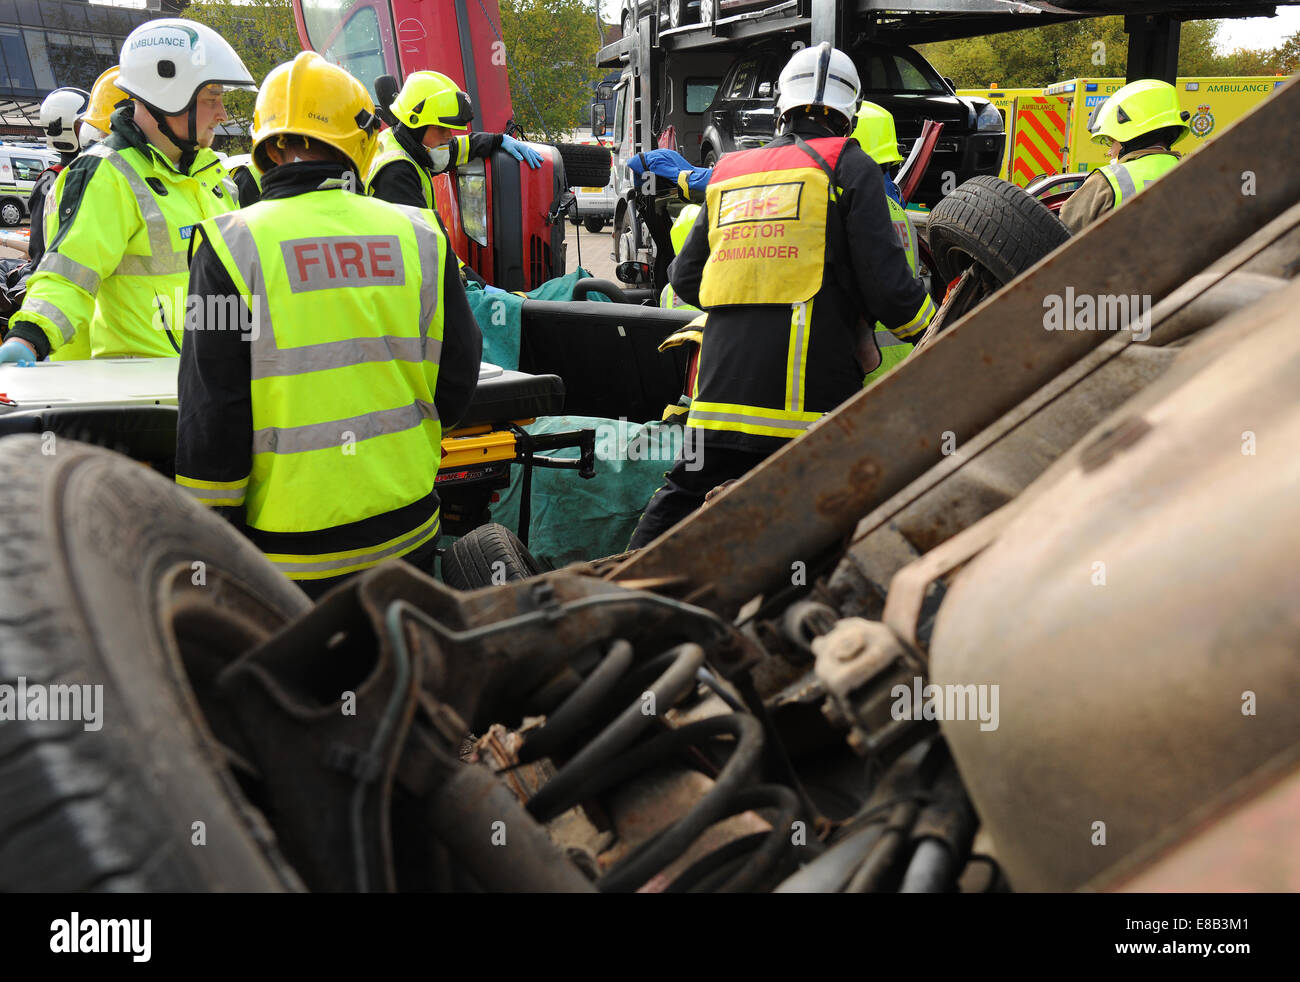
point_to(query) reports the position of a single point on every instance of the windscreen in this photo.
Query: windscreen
(352, 34)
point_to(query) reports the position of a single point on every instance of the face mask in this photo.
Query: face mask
(441, 157)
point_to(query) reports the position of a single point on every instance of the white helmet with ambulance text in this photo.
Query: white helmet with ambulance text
(165, 62)
(821, 76)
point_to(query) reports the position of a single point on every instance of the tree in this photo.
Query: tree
(1092, 48)
(550, 52)
(264, 34)
(1288, 55)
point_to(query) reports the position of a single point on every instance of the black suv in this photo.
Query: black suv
(743, 113)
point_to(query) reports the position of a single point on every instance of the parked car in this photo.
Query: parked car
(19, 168)
(672, 13)
(743, 113)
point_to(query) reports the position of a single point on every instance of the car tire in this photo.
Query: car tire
(627, 22)
(710, 158)
(679, 13)
(490, 555)
(594, 224)
(100, 559)
(11, 212)
(991, 222)
(584, 166)
(707, 12)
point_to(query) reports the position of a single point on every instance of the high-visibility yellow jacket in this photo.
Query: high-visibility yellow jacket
(1112, 185)
(1128, 179)
(892, 348)
(118, 263)
(316, 410)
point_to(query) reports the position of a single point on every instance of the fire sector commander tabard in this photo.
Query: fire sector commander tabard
(793, 257)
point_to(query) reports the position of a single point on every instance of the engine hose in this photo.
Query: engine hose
(740, 767)
(879, 866)
(832, 869)
(780, 840)
(706, 868)
(762, 851)
(577, 711)
(931, 869)
(675, 682)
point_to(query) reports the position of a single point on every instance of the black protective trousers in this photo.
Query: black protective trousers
(687, 484)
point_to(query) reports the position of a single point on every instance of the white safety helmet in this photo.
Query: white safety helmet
(60, 113)
(166, 62)
(820, 76)
(89, 133)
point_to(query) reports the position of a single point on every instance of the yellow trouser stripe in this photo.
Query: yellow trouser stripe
(213, 493)
(323, 565)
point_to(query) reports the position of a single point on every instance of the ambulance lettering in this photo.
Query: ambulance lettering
(343, 260)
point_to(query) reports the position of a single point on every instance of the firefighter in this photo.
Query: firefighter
(74, 136)
(793, 246)
(331, 343)
(431, 136)
(105, 99)
(1138, 126)
(117, 266)
(876, 135)
(61, 115)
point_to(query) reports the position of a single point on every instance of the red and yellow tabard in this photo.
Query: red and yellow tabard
(767, 227)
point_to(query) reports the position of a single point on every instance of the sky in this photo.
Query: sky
(1248, 32)
(1259, 32)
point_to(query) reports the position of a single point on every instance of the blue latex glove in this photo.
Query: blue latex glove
(15, 352)
(521, 151)
(493, 289)
(892, 190)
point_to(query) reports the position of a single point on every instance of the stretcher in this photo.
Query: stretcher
(129, 405)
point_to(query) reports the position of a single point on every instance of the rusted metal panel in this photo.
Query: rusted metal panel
(810, 494)
(1137, 613)
(1250, 845)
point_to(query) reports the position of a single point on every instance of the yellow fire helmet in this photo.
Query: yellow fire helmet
(875, 133)
(1138, 108)
(105, 97)
(432, 99)
(311, 98)
(682, 226)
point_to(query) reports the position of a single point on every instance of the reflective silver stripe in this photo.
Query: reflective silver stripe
(71, 270)
(233, 495)
(271, 361)
(333, 435)
(47, 309)
(166, 265)
(1124, 179)
(767, 421)
(798, 327)
(160, 240)
(884, 338)
(430, 265)
(365, 558)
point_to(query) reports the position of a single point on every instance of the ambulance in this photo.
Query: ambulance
(1211, 102)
